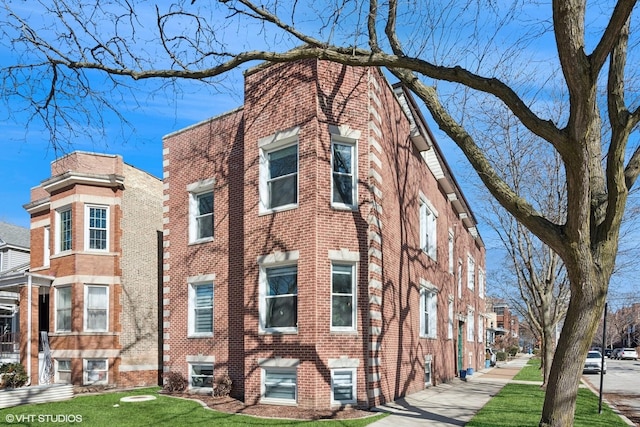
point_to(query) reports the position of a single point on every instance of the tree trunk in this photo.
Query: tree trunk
(583, 315)
(547, 354)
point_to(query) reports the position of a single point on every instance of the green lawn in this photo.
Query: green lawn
(530, 372)
(107, 410)
(521, 405)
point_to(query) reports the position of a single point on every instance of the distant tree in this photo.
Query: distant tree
(533, 280)
(450, 54)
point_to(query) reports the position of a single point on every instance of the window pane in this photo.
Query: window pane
(342, 311)
(284, 191)
(280, 385)
(205, 203)
(283, 162)
(282, 280)
(342, 158)
(282, 312)
(202, 376)
(343, 386)
(343, 189)
(342, 279)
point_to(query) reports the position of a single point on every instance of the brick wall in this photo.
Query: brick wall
(312, 99)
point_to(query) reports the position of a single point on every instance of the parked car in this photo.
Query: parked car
(491, 356)
(593, 363)
(615, 354)
(607, 352)
(628, 354)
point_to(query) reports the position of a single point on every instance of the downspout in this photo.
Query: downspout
(29, 283)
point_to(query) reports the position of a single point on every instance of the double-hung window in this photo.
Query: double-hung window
(96, 228)
(428, 238)
(428, 312)
(279, 166)
(343, 297)
(63, 309)
(481, 283)
(279, 305)
(201, 211)
(283, 177)
(471, 272)
(201, 309)
(64, 234)
(343, 386)
(470, 325)
(96, 308)
(343, 167)
(280, 384)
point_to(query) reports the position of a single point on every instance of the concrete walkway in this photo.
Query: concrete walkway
(451, 404)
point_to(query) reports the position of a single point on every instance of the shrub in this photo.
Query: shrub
(513, 350)
(222, 386)
(13, 375)
(501, 356)
(175, 381)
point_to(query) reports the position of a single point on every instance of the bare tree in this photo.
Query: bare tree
(463, 47)
(534, 280)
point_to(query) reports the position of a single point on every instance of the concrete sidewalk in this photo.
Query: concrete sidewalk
(451, 404)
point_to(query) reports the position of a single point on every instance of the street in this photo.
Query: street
(620, 386)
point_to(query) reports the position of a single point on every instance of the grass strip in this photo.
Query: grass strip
(521, 405)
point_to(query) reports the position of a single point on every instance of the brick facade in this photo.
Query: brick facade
(126, 270)
(315, 102)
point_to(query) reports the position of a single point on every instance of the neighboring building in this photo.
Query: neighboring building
(14, 247)
(91, 293)
(14, 261)
(507, 324)
(317, 248)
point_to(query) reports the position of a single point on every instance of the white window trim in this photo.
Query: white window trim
(279, 365)
(354, 386)
(459, 277)
(46, 256)
(471, 328)
(193, 283)
(344, 135)
(450, 318)
(191, 375)
(480, 327)
(471, 272)
(274, 142)
(85, 313)
(55, 314)
(195, 189)
(428, 228)
(451, 249)
(278, 259)
(426, 288)
(481, 282)
(354, 299)
(56, 378)
(58, 230)
(85, 373)
(86, 227)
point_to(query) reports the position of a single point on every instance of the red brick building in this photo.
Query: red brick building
(93, 282)
(317, 248)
